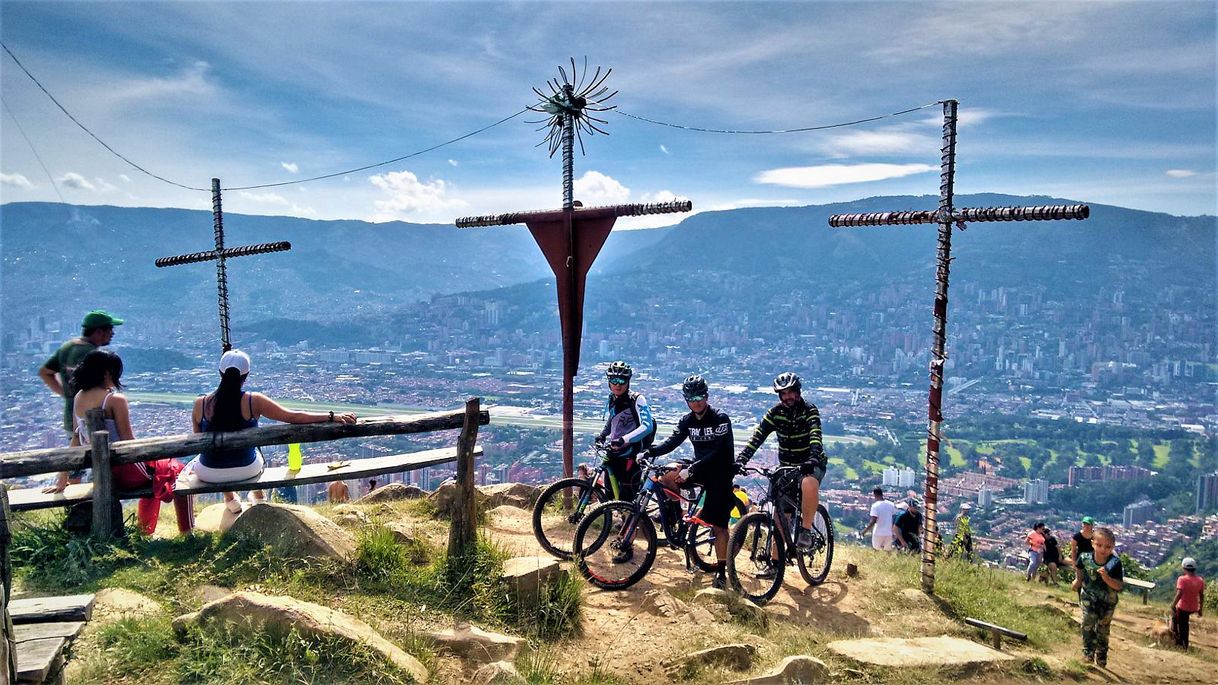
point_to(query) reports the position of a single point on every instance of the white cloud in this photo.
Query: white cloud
(595, 188)
(664, 148)
(1180, 173)
(825, 175)
(452, 162)
(662, 196)
(102, 185)
(290, 167)
(879, 143)
(266, 198)
(410, 196)
(191, 81)
(124, 178)
(76, 181)
(15, 180)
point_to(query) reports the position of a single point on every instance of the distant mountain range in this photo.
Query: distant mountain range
(61, 260)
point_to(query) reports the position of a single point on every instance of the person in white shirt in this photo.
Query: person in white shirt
(880, 527)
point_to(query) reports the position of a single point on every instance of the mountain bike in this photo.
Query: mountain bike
(616, 542)
(762, 544)
(563, 504)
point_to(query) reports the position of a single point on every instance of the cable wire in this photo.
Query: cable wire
(788, 130)
(34, 150)
(92, 135)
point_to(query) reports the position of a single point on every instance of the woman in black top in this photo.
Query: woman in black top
(1081, 542)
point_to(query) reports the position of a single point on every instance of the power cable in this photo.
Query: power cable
(788, 130)
(34, 150)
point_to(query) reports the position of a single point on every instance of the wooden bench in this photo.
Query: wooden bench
(25, 499)
(997, 632)
(42, 628)
(1145, 586)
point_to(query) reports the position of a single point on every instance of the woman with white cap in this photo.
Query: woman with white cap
(1190, 599)
(230, 408)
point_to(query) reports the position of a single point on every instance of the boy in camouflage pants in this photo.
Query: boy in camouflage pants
(1098, 580)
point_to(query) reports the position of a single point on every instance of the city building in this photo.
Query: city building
(1207, 492)
(898, 478)
(1084, 474)
(1036, 491)
(1137, 513)
(985, 497)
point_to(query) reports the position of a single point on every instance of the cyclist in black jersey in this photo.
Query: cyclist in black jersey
(710, 432)
(797, 423)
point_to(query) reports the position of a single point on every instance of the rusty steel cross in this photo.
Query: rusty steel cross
(946, 216)
(571, 237)
(220, 254)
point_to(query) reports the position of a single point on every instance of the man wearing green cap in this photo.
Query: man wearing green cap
(96, 330)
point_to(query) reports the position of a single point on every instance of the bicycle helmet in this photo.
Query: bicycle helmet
(694, 386)
(619, 369)
(787, 381)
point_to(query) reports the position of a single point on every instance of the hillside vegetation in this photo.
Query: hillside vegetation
(580, 634)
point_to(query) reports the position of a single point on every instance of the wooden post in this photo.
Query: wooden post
(8, 646)
(463, 534)
(103, 480)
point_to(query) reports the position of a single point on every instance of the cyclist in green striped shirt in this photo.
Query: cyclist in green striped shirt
(797, 423)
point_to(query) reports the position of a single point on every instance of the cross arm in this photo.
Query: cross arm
(227, 253)
(968, 215)
(583, 212)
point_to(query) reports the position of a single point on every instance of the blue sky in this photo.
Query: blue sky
(1100, 102)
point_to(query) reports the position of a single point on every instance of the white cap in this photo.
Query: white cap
(966, 506)
(1189, 563)
(235, 359)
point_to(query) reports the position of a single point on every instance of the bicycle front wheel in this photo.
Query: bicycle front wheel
(756, 557)
(701, 545)
(814, 563)
(615, 545)
(558, 512)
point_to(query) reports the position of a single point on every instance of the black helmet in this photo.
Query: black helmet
(619, 369)
(694, 386)
(787, 381)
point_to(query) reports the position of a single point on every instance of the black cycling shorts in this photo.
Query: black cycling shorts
(719, 501)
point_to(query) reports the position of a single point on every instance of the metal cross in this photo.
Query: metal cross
(947, 215)
(220, 254)
(571, 237)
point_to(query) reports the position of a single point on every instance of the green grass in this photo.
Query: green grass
(1162, 455)
(988, 594)
(848, 471)
(955, 457)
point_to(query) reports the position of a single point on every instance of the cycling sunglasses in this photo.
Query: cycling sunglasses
(696, 398)
(618, 381)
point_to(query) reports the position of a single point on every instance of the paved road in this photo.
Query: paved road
(510, 417)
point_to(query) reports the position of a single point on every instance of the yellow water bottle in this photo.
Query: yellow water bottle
(295, 459)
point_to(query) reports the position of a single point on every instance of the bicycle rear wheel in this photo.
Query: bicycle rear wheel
(558, 512)
(756, 557)
(615, 545)
(814, 563)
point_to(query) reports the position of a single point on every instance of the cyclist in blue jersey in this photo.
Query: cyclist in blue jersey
(629, 428)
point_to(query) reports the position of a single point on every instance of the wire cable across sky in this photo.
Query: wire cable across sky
(437, 146)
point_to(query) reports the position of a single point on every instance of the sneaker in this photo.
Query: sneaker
(720, 581)
(624, 555)
(233, 505)
(804, 539)
(766, 572)
(1101, 661)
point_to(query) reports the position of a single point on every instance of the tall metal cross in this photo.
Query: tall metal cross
(947, 215)
(220, 254)
(571, 237)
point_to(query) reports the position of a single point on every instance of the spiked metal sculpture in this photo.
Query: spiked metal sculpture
(571, 237)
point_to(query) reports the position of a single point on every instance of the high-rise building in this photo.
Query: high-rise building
(1137, 513)
(898, 478)
(985, 497)
(1036, 491)
(1207, 492)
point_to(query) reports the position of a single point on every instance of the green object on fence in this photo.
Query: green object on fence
(295, 458)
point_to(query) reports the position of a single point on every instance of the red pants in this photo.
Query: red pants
(160, 475)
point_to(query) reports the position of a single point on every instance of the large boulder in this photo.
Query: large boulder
(391, 493)
(445, 498)
(252, 612)
(526, 577)
(472, 644)
(793, 670)
(292, 531)
(511, 494)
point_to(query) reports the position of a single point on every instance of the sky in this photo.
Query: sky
(1110, 103)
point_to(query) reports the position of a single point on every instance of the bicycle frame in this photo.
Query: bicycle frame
(785, 503)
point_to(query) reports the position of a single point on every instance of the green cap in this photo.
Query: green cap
(1088, 519)
(99, 318)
